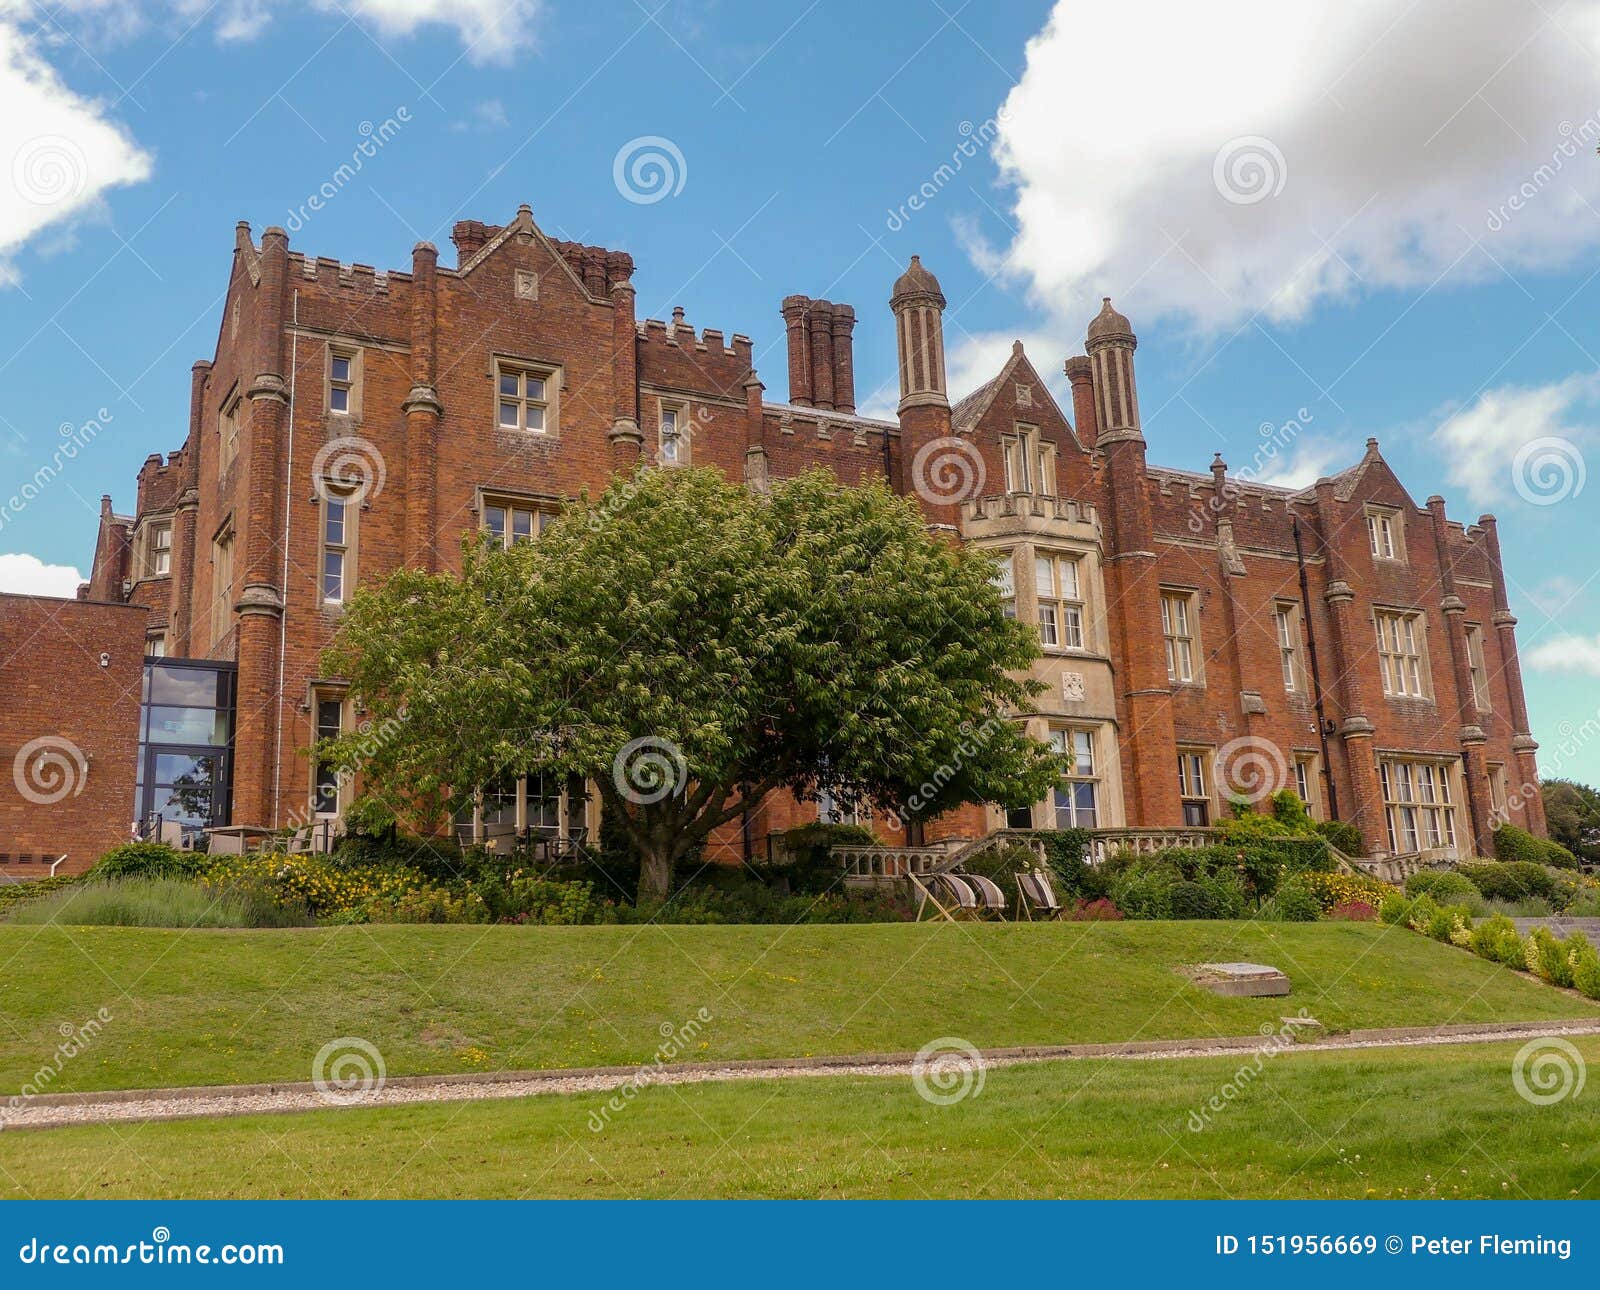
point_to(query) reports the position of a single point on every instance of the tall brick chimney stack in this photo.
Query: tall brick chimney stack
(822, 370)
(1080, 372)
(844, 363)
(794, 322)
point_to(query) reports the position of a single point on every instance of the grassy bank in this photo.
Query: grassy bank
(207, 1007)
(1441, 1122)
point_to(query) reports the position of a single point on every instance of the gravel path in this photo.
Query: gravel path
(59, 1109)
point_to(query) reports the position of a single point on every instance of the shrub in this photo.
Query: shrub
(1190, 900)
(1512, 843)
(1513, 880)
(1067, 852)
(1353, 911)
(1290, 811)
(1145, 892)
(1296, 902)
(1585, 961)
(1498, 940)
(1445, 887)
(159, 902)
(147, 860)
(1341, 834)
(17, 893)
(1394, 909)
(1347, 888)
(753, 902)
(1547, 957)
(1093, 911)
(317, 883)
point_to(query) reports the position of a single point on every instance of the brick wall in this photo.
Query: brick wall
(70, 678)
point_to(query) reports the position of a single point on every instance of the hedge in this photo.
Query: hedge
(1512, 843)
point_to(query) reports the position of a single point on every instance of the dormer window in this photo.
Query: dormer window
(1384, 535)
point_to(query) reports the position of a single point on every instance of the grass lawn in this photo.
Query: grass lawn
(1440, 1122)
(208, 1007)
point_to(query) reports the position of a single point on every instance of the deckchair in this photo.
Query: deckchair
(991, 900)
(1037, 893)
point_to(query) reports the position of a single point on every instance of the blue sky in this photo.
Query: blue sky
(1367, 226)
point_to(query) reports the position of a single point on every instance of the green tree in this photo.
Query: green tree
(1572, 813)
(690, 646)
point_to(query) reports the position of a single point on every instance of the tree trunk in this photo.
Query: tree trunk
(655, 872)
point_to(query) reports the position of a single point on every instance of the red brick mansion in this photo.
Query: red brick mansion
(1202, 634)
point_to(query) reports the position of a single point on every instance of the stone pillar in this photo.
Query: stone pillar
(423, 412)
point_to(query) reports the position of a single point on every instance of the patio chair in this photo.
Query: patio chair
(1035, 892)
(991, 900)
(299, 842)
(500, 839)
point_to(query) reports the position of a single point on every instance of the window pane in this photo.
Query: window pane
(1069, 579)
(335, 522)
(494, 519)
(1047, 625)
(341, 368)
(1044, 576)
(333, 576)
(339, 399)
(508, 415)
(508, 384)
(329, 718)
(1083, 750)
(535, 418)
(1074, 625)
(535, 388)
(521, 526)
(1083, 801)
(183, 686)
(188, 726)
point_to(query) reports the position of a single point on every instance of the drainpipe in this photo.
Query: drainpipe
(1316, 674)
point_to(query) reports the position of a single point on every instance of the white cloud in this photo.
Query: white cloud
(1556, 594)
(1307, 461)
(28, 575)
(1580, 654)
(1364, 145)
(1480, 445)
(58, 150)
(491, 30)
